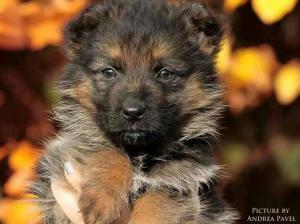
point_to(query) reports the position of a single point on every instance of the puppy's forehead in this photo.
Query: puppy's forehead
(142, 53)
(156, 48)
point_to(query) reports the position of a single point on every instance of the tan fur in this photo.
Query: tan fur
(162, 49)
(205, 45)
(131, 58)
(155, 208)
(135, 85)
(113, 50)
(82, 93)
(105, 191)
(193, 95)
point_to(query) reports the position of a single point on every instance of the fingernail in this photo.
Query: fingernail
(68, 168)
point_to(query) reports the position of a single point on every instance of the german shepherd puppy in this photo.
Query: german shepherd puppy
(138, 111)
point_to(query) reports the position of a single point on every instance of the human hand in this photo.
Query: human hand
(66, 198)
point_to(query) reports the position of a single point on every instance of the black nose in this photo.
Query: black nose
(133, 109)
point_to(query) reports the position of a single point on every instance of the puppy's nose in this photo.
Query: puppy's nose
(133, 109)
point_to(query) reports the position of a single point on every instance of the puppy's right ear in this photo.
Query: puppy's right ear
(203, 27)
(78, 29)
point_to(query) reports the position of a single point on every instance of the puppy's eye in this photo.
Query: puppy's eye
(165, 75)
(108, 73)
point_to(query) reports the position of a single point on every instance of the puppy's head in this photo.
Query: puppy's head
(144, 70)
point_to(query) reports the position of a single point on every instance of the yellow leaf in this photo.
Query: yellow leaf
(271, 11)
(69, 7)
(17, 184)
(4, 4)
(23, 157)
(224, 56)
(231, 5)
(47, 32)
(18, 212)
(35, 24)
(30, 9)
(287, 83)
(249, 67)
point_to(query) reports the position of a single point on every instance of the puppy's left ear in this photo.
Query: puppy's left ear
(203, 28)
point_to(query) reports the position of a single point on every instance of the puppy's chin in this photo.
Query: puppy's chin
(137, 138)
(140, 143)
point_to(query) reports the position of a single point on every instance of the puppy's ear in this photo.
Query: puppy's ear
(203, 27)
(77, 30)
(95, 16)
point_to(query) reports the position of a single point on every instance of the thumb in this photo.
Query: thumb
(67, 200)
(73, 176)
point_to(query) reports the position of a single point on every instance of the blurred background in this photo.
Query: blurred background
(259, 63)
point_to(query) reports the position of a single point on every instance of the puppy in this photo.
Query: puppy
(138, 111)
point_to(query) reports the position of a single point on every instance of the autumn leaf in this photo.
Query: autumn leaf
(17, 184)
(18, 212)
(46, 32)
(35, 24)
(5, 4)
(248, 75)
(21, 160)
(287, 83)
(271, 11)
(224, 56)
(4, 151)
(23, 157)
(231, 5)
(253, 66)
(11, 31)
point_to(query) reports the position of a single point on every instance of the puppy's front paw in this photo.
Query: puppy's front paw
(104, 193)
(100, 207)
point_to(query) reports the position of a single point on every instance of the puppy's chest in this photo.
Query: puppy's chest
(143, 175)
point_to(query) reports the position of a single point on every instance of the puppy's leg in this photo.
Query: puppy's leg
(106, 183)
(162, 208)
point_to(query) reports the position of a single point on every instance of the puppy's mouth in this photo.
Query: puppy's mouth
(136, 137)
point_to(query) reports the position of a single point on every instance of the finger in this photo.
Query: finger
(67, 200)
(73, 176)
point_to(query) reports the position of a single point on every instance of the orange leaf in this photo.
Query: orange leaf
(35, 24)
(271, 11)
(4, 152)
(249, 76)
(231, 5)
(17, 184)
(5, 4)
(44, 33)
(11, 28)
(224, 56)
(249, 67)
(18, 212)
(23, 157)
